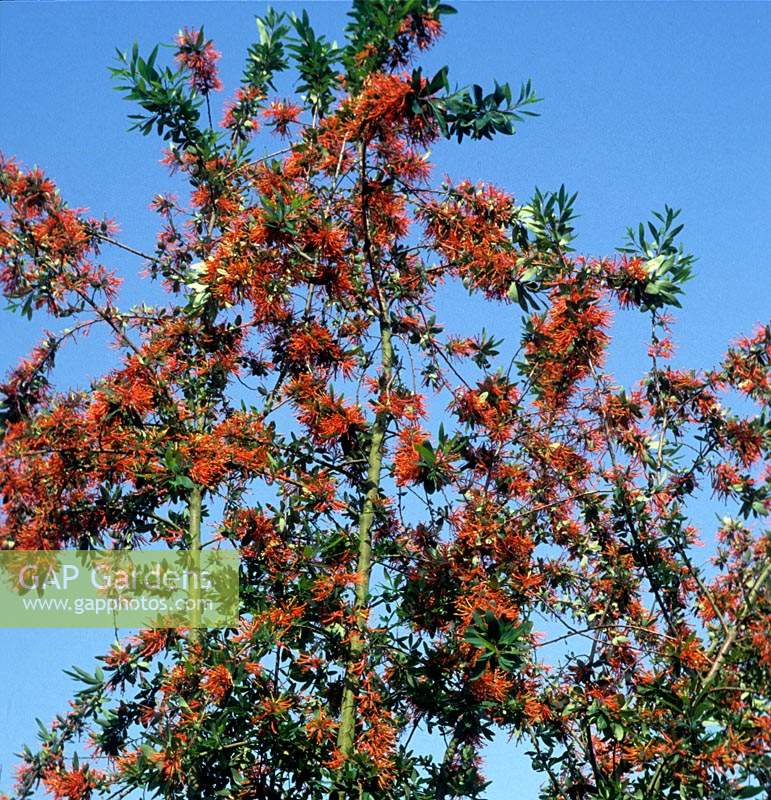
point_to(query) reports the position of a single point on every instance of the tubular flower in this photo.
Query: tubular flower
(200, 58)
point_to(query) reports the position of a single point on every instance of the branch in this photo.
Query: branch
(722, 653)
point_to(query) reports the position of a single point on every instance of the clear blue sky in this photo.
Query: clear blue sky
(643, 104)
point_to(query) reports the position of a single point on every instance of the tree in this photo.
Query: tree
(397, 574)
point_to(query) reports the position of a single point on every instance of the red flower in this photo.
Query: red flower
(320, 727)
(566, 341)
(407, 466)
(272, 709)
(661, 349)
(200, 58)
(217, 683)
(76, 784)
(152, 641)
(280, 115)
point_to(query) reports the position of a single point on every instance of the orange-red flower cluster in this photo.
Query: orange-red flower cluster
(74, 784)
(472, 230)
(46, 248)
(567, 341)
(200, 58)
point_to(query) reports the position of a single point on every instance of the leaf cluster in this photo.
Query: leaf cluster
(173, 109)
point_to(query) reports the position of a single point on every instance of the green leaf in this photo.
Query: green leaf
(749, 791)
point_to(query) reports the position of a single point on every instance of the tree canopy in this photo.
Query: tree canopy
(444, 534)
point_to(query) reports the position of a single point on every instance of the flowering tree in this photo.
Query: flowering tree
(456, 535)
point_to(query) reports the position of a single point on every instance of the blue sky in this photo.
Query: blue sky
(644, 104)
